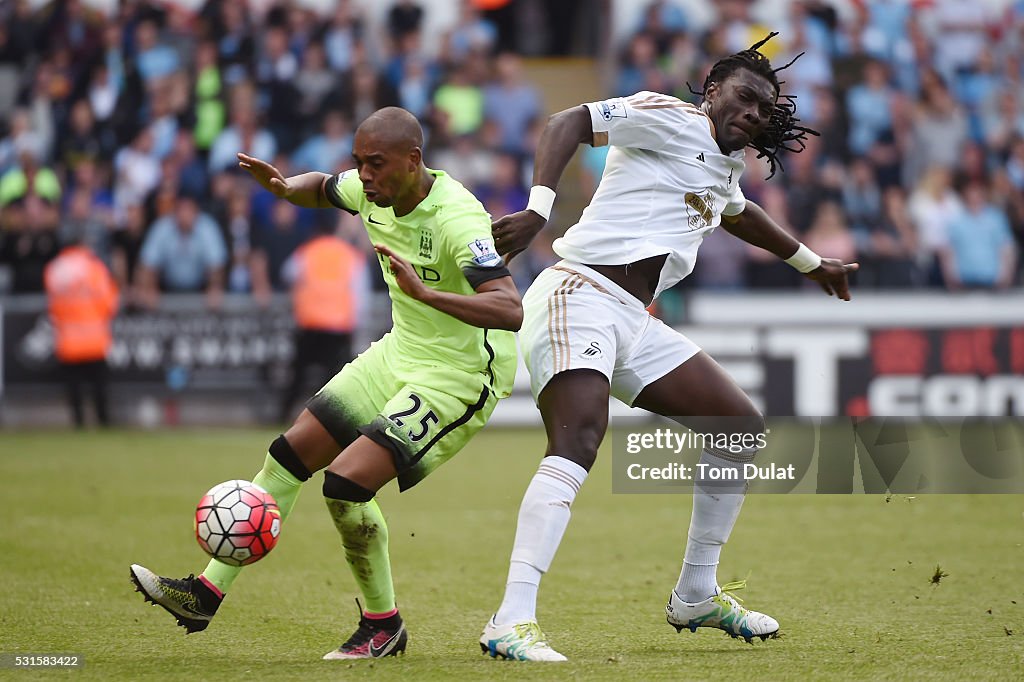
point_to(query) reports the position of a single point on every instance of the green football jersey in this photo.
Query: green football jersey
(447, 240)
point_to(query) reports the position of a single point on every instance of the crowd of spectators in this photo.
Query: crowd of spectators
(123, 129)
(917, 173)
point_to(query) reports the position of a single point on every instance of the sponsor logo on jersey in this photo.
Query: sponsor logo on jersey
(701, 208)
(613, 108)
(484, 254)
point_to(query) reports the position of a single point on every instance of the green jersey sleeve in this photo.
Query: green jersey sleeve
(471, 246)
(345, 191)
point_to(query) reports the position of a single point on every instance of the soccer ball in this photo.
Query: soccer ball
(237, 522)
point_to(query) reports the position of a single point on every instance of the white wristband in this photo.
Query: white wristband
(804, 259)
(541, 200)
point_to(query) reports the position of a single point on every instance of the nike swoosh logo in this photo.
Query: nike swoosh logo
(378, 652)
(392, 435)
(375, 222)
(187, 606)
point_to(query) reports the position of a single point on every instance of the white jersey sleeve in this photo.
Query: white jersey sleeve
(646, 120)
(735, 201)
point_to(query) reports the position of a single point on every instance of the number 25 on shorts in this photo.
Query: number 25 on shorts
(418, 428)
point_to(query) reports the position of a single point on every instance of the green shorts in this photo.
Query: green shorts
(423, 414)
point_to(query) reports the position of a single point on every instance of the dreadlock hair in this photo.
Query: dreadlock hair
(782, 128)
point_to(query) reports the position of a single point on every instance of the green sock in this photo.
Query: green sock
(365, 537)
(284, 487)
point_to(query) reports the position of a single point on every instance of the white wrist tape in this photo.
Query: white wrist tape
(804, 259)
(541, 200)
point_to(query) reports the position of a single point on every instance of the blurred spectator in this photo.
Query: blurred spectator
(29, 241)
(126, 245)
(279, 99)
(404, 17)
(29, 177)
(163, 120)
(44, 97)
(329, 287)
(182, 252)
(869, 107)
(362, 93)
(313, 82)
(886, 248)
(239, 231)
(961, 26)
(471, 33)
(862, 200)
(503, 193)
(243, 135)
(1005, 123)
(83, 299)
(640, 58)
(343, 39)
(85, 227)
(468, 161)
(81, 140)
(511, 102)
(937, 116)
(722, 264)
(459, 104)
(981, 253)
(274, 242)
(764, 270)
(662, 20)
(976, 87)
(153, 58)
(190, 170)
(137, 171)
(235, 44)
(932, 206)
(209, 110)
(328, 151)
(415, 86)
(830, 235)
(103, 93)
(19, 137)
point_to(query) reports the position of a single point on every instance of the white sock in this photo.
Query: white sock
(716, 507)
(543, 517)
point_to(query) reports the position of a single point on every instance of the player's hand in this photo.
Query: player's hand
(831, 276)
(405, 275)
(514, 232)
(268, 176)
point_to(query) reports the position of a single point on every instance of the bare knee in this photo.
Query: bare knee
(577, 443)
(574, 406)
(312, 443)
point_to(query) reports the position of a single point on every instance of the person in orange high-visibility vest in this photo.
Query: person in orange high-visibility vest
(329, 284)
(83, 300)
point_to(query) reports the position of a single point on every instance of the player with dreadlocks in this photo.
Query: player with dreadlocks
(672, 176)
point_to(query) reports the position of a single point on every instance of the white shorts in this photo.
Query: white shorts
(576, 318)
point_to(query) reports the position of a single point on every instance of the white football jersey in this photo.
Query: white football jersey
(665, 186)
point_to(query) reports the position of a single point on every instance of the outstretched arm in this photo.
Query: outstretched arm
(756, 227)
(306, 190)
(564, 132)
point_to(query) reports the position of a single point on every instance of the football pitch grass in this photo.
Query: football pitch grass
(850, 578)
